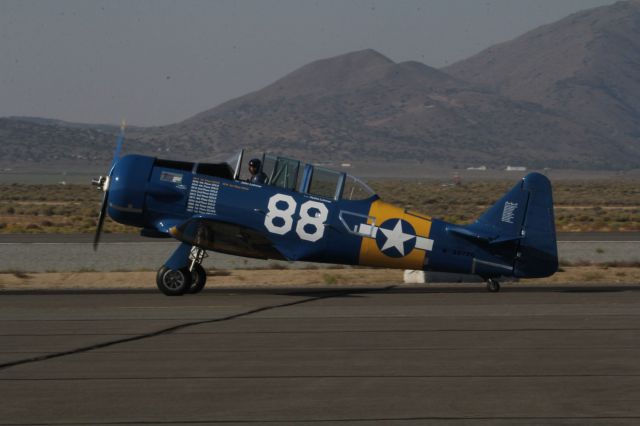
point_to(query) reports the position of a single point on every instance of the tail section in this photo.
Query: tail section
(522, 223)
(538, 251)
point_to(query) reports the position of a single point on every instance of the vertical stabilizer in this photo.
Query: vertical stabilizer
(521, 226)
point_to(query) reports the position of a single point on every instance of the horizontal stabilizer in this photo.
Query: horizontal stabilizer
(502, 240)
(470, 234)
(476, 235)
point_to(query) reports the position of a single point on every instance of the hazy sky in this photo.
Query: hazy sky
(160, 61)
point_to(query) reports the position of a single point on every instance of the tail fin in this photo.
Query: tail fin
(524, 218)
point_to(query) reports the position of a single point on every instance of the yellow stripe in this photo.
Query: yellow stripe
(370, 254)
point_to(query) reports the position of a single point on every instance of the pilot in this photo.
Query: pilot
(256, 175)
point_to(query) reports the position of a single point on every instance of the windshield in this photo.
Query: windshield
(356, 189)
(235, 162)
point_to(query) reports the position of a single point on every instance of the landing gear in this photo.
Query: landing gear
(493, 286)
(198, 279)
(173, 282)
(198, 274)
(182, 272)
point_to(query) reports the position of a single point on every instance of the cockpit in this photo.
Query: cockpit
(291, 175)
(315, 180)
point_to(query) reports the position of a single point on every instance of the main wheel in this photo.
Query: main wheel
(198, 279)
(493, 286)
(173, 282)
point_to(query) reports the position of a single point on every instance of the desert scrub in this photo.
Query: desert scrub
(329, 278)
(592, 276)
(580, 206)
(52, 209)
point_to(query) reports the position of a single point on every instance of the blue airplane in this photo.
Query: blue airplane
(304, 212)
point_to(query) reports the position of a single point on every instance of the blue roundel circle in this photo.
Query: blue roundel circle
(396, 238)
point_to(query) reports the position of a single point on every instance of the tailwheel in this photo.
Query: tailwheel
(173, 282)
(198, 279)
(493, 286)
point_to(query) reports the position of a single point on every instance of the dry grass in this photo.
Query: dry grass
(579, 206)
(240, 278)
(598, 275)
(52, 209)
(594, 274)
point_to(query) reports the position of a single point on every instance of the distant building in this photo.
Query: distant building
(481, 168)
(345, 164)
(516, 169)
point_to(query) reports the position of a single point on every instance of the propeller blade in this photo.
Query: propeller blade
(101, 217)
(103, 184)
(116, 153)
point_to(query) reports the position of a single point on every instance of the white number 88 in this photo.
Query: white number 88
(306, 219)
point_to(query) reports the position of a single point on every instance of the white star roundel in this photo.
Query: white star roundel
(396, 238)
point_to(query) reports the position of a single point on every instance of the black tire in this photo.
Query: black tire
(198, 279)
(173, 282)
(493, 286)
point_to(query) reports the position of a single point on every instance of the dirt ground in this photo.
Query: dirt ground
(578, 275)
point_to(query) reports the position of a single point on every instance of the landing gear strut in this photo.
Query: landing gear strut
(198, 274)
(493, 286)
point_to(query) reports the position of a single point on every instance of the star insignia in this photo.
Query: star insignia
(396, 238)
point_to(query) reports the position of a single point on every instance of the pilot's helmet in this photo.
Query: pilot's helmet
(255, 163)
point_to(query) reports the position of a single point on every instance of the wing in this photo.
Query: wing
(210, 234)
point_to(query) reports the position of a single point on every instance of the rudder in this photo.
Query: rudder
(538, 251)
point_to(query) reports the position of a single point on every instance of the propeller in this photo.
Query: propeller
(102, 183)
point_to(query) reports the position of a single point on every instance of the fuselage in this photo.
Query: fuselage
(162, 197)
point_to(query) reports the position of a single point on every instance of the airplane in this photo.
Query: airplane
(310, 213)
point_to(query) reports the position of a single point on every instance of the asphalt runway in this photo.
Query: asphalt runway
(390, 356)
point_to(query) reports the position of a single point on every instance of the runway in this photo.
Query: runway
(130, 252)
(386, 356)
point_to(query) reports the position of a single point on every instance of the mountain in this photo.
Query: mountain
(44, 141)
(565, 95)
(585, 66)
(105, 128)
(362, 105)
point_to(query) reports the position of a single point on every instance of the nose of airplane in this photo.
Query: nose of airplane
(127, 187)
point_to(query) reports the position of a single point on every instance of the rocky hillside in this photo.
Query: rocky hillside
(585, 66)
(565, 95)
(362, 105)
(48, 142)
